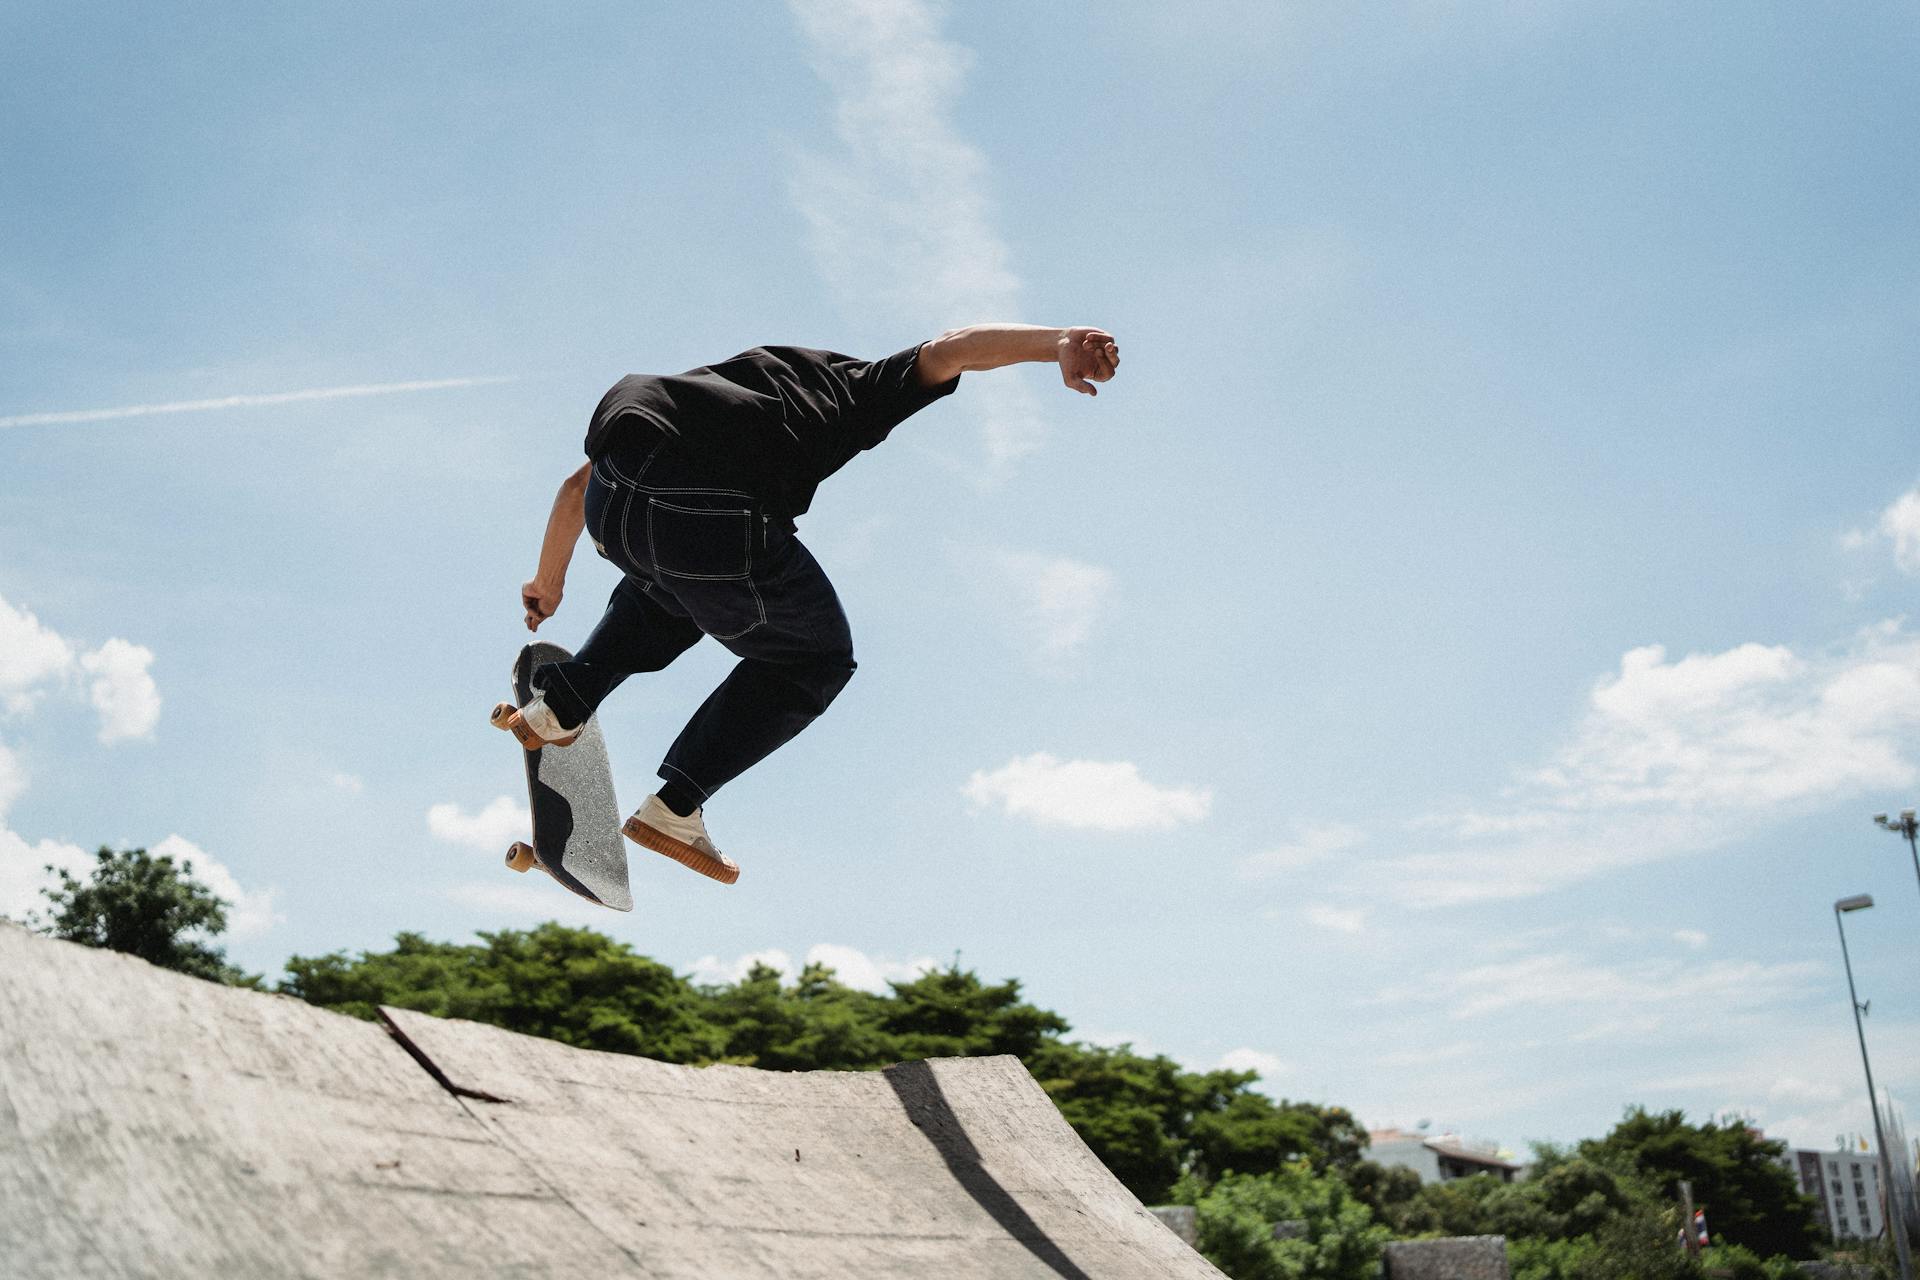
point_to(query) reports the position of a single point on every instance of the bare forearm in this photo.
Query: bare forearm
(540, 594)
(990, 346)
(1085, 355)
(564, 524)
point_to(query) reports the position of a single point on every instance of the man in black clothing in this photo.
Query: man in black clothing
(691, 488)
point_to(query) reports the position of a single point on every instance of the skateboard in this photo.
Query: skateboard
(576, 820)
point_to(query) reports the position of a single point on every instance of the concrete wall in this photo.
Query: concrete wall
(1460, 1258)
(154, 1125)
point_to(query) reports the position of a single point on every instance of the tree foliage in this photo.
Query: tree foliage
(146, 906)
(1327, 1233)
(1738, 1177)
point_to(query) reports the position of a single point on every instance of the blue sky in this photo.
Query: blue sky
(1449, 670)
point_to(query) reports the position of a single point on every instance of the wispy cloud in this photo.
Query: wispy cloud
(1678, 756)
(1048, 605)
(1559, 979)
(899, 215)
(1339, 919)
(1899, 524)
(244, 401)
(1091, 795)
(1313, 845)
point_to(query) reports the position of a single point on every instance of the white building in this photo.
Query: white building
(1845, 1185)
(1438, 1157)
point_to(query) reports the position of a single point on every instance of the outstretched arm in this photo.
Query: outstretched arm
(1085, 355)
(541, 596)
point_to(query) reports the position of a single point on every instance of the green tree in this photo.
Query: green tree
(1251, 1133)
(817, 1023)
(148, 907)
(1333, 1236)
(572, 985)
(950, 1012)
(1382, 1188)
(1132, 1110)
(1641, 1244)
(1750, 1196)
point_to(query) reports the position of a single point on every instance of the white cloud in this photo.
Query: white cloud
(490, 830)
(1338, 919)
(241, 401)
(122, 690)
(857, 969)
(350, 783)
(1091, 795)
(713, 971)
(13, 779)
(250, 912)
(1315, 844)
(1681, 756)
(899, 216)
(35, 658)
(1265, 1065)
(1900, 525)
(1691, 938)
(851, 966)
(22, 873)
(31, 655)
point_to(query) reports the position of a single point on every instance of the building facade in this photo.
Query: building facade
(1845, 1188)
(1438, 1157)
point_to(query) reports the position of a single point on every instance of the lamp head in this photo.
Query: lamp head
(1880, 819)
(1907, 816)
(1858, 902)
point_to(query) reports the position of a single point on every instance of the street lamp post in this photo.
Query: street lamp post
(1896, 1223)
(1905, 825)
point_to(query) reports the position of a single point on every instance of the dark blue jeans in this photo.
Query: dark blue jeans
(701, 558)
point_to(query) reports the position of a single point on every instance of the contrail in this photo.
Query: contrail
(243, 402)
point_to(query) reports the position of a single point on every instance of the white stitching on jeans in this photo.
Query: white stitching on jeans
(746, 526)
(704, 793)
(626, 518)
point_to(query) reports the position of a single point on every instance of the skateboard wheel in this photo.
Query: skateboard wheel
(498, 716)
(520, 856)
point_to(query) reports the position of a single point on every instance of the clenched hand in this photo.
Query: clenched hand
(1087, 356)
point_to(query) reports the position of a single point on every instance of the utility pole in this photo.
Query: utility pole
(1896, 1220)
(1908, 826)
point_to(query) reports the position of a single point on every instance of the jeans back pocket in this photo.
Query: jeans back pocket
(706, 541)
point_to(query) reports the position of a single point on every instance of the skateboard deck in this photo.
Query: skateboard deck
(576, 820)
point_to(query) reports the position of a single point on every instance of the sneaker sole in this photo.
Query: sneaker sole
(507, 716)
(680, 851)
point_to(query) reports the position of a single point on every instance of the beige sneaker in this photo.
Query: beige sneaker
(534, 724)
(682, 839)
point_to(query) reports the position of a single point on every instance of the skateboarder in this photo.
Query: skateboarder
(691, 488)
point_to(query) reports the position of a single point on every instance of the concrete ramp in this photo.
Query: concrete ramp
(155, 1125)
